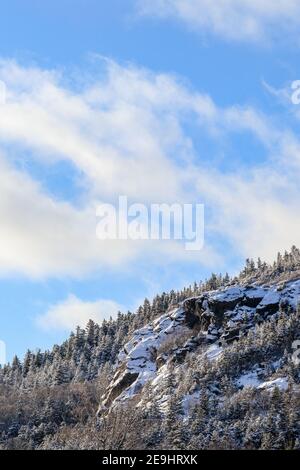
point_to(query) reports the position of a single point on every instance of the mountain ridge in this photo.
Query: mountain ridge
(221, 316)
(211, 366)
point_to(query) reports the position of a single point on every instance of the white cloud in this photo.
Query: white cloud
(238, 20)
(74, 312)
(127, 133)
(117, 132)
(257, 211)
(123, 135)
(41, 236)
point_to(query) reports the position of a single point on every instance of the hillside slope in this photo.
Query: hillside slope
(214, 366)
(205, 326)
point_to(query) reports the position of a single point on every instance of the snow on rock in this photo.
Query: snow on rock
(189, 401)
(229, 294)
(255, 292)
(240, 293)
(249, 379)
(291, 294)
(281, 383)
(287, 296)
(270, 301)
(213, 352)
(138, 358)
(221, 316)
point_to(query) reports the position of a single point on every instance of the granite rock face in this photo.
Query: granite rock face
(208, 321)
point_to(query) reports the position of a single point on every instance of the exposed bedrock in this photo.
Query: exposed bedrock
(218, 317)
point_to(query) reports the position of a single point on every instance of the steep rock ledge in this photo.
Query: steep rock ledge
(216, 317)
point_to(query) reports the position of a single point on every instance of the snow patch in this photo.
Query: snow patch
(213, 352)
(281, 383)
(249, 379)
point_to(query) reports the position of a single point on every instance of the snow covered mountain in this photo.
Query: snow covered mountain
(205, 326)
(213, 366)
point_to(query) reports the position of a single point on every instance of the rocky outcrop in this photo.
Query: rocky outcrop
(191, 345)
(121, 382)
(212, 319)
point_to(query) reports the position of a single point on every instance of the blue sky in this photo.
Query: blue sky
(156, 100)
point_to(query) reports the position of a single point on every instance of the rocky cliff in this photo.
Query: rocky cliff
(204, 324)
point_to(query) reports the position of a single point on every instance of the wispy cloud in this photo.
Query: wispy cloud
(236, 20)
(126, 131)
(73, 312)
(122, 134)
